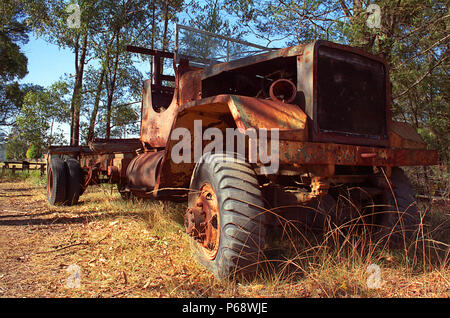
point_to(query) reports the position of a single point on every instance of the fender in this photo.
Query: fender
(229, 111)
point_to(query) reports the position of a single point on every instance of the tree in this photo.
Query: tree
(117, 79)
(16, 147)
(41, 110)
(105, 28)
(33, 152)
(98, 89)
(50, 19)
(13, 62)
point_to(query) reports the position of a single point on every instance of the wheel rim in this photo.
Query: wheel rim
(50, 182)
(203, 221)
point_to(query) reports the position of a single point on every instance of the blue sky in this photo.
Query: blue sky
(46, 62)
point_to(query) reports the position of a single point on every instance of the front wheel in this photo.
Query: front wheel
(399, 217)
(225, 216)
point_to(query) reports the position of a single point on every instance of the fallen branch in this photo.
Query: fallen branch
(63, 247)
(75, 244)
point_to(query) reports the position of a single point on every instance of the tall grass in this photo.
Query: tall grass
(337, 258)
(332, 262)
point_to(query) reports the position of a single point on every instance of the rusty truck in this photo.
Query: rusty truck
(327, 104)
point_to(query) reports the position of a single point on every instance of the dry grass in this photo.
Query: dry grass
(139, 249)
(337, 262)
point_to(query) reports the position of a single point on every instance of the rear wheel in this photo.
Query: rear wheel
(74, 181)
(56, 181)
(225, 216)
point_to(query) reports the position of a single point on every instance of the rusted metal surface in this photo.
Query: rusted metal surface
(113, 174)
(403, 135)
(115, 145)
(319, 187)
(283, 90)
(156, 126)
(251, 112)
(307, 83)
(142, 171)
(309, 153)
(190, 87)
(121, 162)
(230, 111)
(202, 221)
(159, 104)
(50, 182)
(90, 176)
(101, 161)
(69, 150)
(304, 144)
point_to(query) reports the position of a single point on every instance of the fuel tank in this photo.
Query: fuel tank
(142, 171)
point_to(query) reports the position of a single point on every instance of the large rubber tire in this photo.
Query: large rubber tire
(399, 217)
(241, 216)
(73, 181)
(56, 181)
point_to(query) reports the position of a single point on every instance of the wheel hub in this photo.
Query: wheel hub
(202, 221)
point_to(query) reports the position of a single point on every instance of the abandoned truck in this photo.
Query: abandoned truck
(327, 109)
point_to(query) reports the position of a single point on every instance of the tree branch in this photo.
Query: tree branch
(347, 12)
(420, 79)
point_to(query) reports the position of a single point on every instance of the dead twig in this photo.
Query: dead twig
(75, 244)
(63, 248)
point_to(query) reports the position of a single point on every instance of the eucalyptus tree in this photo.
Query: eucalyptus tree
(70, 25)
(13, 62)
(141, 23)
(42, 109)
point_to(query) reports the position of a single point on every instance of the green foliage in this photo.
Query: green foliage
(13, 62)
(13, 31)
(15, 148)
(34, 152)
(207, 16)
(34, 126)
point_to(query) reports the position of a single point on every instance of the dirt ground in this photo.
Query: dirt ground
(94, 249)
(104, 247)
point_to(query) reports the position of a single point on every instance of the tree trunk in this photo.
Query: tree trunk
(96, 103)
(150, 58)
(111, 90)
(76, 97)
(164, 39)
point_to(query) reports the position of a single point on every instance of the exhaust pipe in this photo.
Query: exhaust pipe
(283, 90)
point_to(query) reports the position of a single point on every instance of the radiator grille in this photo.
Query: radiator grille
(351, 94)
